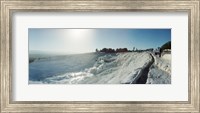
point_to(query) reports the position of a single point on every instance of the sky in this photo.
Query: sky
(71, 41)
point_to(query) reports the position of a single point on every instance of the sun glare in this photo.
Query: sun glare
(79, 40)
(79, 34)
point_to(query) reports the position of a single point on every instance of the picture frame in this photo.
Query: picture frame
(8, 7)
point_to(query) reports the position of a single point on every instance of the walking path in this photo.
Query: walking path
(144, 72)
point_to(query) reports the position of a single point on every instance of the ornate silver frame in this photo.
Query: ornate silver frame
(8, 7)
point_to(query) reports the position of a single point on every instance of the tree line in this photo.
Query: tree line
(118, 50)
(110, 50)
(167, 45)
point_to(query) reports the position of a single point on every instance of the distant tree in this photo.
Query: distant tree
(133, 48)
(103, 50)
(166, 46)
(121, 50)
(97, 50)
(125, 49)
(150, 49)
(110, 50)
(107, 50)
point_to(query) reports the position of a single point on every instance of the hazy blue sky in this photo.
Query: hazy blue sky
(87, 40)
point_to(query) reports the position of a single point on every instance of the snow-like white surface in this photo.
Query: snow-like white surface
(101, 68)
(160, 71)
(167, 57)
(108, 69)
(124, 69)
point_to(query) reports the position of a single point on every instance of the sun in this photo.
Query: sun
(79, 34)
(78, 40)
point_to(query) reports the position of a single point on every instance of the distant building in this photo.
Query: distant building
(166, 51)
(157, 51)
